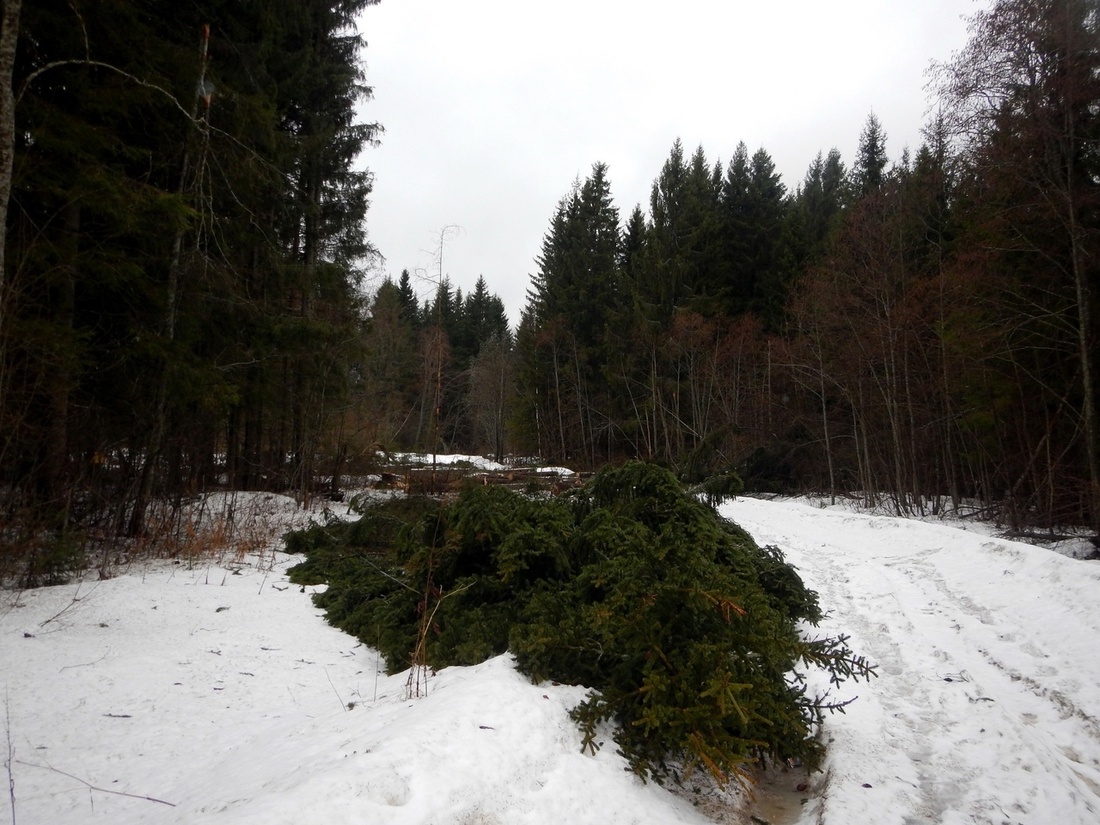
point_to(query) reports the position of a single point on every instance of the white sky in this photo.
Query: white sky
(493, 107)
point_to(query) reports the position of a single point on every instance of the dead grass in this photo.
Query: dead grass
(224, 529)
(228, 529)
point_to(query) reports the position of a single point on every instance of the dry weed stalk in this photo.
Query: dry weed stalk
(417, 683)
(10, 757)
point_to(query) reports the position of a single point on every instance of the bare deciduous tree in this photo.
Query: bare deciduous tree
(1023, 97)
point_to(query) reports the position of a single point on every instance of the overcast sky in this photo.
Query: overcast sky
(492, 108)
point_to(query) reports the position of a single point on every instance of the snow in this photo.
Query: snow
(476, 461)
(561, 471)
(218, 687)
(224, 693)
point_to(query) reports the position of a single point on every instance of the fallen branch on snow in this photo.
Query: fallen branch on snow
(92, 787)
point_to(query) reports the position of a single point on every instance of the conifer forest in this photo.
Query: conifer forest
(184, 192)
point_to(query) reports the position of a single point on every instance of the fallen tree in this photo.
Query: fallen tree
(687, 632)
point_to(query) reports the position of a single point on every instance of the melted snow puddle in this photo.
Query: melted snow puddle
(778, 798)
(768, 797)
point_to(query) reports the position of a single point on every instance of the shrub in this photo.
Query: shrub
(52, 558)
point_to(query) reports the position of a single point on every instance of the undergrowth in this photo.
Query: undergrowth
(218, 528)
(685, 629)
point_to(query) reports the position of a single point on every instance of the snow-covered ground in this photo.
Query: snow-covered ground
(480, 462)
(216, 693)
(477, 462)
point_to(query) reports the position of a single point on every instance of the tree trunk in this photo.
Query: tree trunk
(1084, 333)
(9, 37)
(53, 489)
(160, 402)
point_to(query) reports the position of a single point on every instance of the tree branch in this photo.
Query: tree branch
(83, 61)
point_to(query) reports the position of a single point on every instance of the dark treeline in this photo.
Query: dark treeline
(182, 306)
(180, 302)
(917, 329)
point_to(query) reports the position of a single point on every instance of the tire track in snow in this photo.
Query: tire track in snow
(978, 714)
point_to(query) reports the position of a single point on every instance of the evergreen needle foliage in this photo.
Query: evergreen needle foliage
(685, 629)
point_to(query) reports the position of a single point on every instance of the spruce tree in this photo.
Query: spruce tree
(572, 303)
(869, 170)
(409, 304)
(191, 224)
(754, 212)
(770, 254)
(389, 371)
(821, 200)
(685, 232)
(684, 629)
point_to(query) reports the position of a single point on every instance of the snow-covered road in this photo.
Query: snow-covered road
(987, 705)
